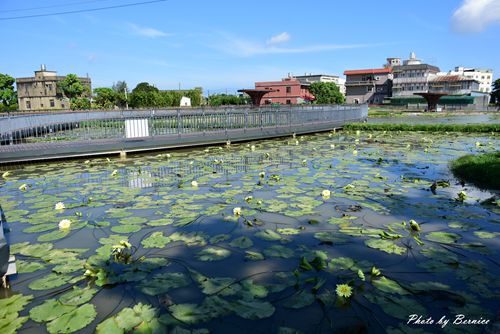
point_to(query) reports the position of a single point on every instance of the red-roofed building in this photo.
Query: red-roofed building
(368, 85)
(286, 91)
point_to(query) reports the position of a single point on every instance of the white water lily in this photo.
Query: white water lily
(237, 211)
(358, 132)
(370, 135)
(194, 184)
(262, 175)
(248, 198)
(86, 162)
(332, 146)
(108, 159)
(64, 224)
(294, 135)
(478, 144)
(228, 143)
(6, 174)
(296, 142)
(59, 206)
(354, 152)
(23, 187)
(168, 155)
(252, 147)
(326, 194)
(114, 173)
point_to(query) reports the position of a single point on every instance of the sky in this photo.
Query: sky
(223, 45)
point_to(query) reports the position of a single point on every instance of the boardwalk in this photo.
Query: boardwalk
(51, 136)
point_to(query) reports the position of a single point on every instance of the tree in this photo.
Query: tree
(8, 97)
(121, 91)
(71, 86)
(144, 87)
(495, 93)
(224, 100)
(105, 98)
(326, 93)
(80, 103)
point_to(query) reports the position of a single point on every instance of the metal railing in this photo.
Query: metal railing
(92, 125)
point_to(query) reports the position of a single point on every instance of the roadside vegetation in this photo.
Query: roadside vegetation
(483, 170)
(425, 127)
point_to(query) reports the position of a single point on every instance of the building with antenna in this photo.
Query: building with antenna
(41, 93)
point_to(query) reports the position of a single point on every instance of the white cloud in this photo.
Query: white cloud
(280, 38)
(476, 15)
(246, 48)
(147, 32)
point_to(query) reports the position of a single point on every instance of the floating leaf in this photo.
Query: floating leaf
(77, 296)
(50, 309)
(387, 285)
(443, 237)
(219, 238)
(242, 242)
(278, 251)
(268, 235)
(254, 256)
(486, 235)
(299, 300)
(162, 283)
(155, 240)
(49, 282)
(126, 228)
(213, 254)
(386, 246)
(74, 320)
(288, 231)
(253, 309)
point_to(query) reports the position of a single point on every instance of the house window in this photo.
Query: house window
(288, 89)
(28, 104)
(369, 89)
(288, 101)
(52, 103)
(49, 86)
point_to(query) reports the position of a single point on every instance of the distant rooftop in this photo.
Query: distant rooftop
(369, 71)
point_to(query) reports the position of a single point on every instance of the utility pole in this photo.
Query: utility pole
(126, 97)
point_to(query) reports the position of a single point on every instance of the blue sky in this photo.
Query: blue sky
(226, 45)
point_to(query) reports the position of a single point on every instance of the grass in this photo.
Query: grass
(425, 127)
(482, 170)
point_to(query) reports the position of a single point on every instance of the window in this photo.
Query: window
(28, 104)
(49, 86)
(288, 89)
(369, 89)
(288, 101)
(52, 103)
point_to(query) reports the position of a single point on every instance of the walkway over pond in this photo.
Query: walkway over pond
(73, 134)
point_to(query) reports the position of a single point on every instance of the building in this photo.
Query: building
(368, 86)
(311, 78)
(41, 93)
(483, 76)
(412, 77)
(453, 85)
(287, 91)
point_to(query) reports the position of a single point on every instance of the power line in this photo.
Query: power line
(52, 6)
(80, 10)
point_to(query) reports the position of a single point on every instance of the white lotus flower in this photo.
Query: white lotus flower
(64, 224)
(354, 152)
(252, 147)
(326, 194)
(59, 206)
(237, 211)
(248, 198)
(114, 173)
(5, 175)
(168, 155)
(332, 146)
(23, 187)
(194, 184)
(358, 132)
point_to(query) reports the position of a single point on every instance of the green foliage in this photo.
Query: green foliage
(71, 86)
(326, 93)
(121, 92)
(495, 93)
(105, 98)
(10, 321)
(483, 170)
(147, 96)
(224, 100)
(8, 97)
(424, 127)
(80, 103)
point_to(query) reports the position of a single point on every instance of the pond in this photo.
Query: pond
(333, 232)
(438, 118)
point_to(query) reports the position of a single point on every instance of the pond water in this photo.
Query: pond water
(438, 119)
(256, 244)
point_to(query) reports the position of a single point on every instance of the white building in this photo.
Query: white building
(412, 77)
(307, 79)
(484, 76)
(185, 102)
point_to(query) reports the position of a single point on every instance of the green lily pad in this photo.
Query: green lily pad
(155, 240)
(126, 228)
(162, 283)
(50, 309)
(278, 251)
(385, 246)
(253, 256)
(213, 254)
(389, 286)
(241, 242)
(49, 282)
(299, 300)
(486, 235)
(268, 235)
(253, 309)
(443, 237)
(28, 266)
(219, 238)
(77, 296)
(74, 320)
(288, 231)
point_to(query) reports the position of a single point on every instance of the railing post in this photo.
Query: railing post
(245, 121)
(225, 121)
(178, 122)
(203, 120)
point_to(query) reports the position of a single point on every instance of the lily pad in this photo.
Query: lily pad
(268, 235)
(241, 242)
(385, 246)
(443, 237)
(213, 254)
(162, 283)
(126, 228)
(253, 309)
(389, 286)
(299, 300)
(74, 320)
(278, 251)
(155, 240)
(49, 282)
